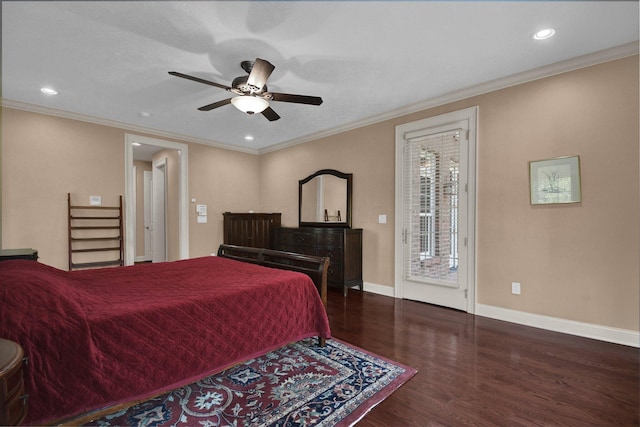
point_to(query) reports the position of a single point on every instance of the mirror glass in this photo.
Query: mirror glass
(325, 199)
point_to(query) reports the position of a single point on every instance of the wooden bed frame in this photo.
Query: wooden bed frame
(313, 266)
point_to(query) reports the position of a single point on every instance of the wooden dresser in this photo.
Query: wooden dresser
(343, 246)
(13, 400)
(250, 229)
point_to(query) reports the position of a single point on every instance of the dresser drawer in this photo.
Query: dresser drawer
(330, 239)
(335, 273)
(282, 239)
(303, 239)
(334, 254)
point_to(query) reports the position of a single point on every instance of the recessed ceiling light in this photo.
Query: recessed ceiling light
(145, 115)
(544, 34)
(136, 144)
(48, 91)
(248, 138)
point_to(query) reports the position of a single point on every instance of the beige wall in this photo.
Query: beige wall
(577, 262)
(225, 181)
(45, 157)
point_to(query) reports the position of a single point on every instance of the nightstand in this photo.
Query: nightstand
(7, 254)
(13, 400)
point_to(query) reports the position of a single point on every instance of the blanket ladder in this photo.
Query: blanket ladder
(96, 236)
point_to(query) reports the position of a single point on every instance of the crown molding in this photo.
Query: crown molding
(606, 55)
(18, 105)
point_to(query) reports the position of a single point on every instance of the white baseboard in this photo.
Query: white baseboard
(378, 289)
(556, 324)
(587, 330)
(141, 259)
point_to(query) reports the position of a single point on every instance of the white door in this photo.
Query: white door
(148, 223)
(181, 173)
(435, 178)
(159, 222)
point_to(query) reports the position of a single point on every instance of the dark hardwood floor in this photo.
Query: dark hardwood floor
(474, 370)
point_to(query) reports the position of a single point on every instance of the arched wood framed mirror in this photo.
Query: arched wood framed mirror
(324, 199)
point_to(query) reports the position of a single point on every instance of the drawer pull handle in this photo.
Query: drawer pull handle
(25, 360)
(25, 399)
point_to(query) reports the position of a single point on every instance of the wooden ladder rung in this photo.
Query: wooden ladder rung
(95, 207)
(94, 239)
(95, 250)
(98, 227)
(95, 217)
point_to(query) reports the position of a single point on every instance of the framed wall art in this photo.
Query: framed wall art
(555, 180)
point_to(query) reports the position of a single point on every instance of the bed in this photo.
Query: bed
(102, 338)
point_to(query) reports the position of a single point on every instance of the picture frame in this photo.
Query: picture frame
(554, 181)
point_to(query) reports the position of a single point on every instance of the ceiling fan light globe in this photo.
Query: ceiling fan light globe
(249, 104)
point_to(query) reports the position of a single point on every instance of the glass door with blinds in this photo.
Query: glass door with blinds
(432, 212)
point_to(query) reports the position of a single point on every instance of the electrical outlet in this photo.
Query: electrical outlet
(515, 288)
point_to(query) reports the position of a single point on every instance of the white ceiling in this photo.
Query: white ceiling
(109, 60)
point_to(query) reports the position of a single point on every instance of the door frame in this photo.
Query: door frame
(129, 192)
(159, 210)
(147, 188)
(470, 114)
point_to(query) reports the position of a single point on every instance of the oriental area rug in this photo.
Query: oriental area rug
(301, 384)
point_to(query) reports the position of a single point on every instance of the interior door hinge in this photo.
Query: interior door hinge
(468, 133)
(466, 293)
(404, 235)
(466, 241)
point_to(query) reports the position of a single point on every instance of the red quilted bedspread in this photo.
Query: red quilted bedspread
(99, 337)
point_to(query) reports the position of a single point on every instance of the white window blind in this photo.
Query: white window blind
(431, 191)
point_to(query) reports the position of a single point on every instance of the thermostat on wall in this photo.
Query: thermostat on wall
(95, 200)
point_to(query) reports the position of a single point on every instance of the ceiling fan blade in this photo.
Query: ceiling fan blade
(215, 105)
(270, 114)
(298, 99)
(198, 79)
(260, 73)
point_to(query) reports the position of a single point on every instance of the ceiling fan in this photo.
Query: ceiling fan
(253, 95)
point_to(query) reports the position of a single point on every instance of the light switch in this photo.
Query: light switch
(95, 200)
(202, 219)
(515, 288)
(382, 219)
